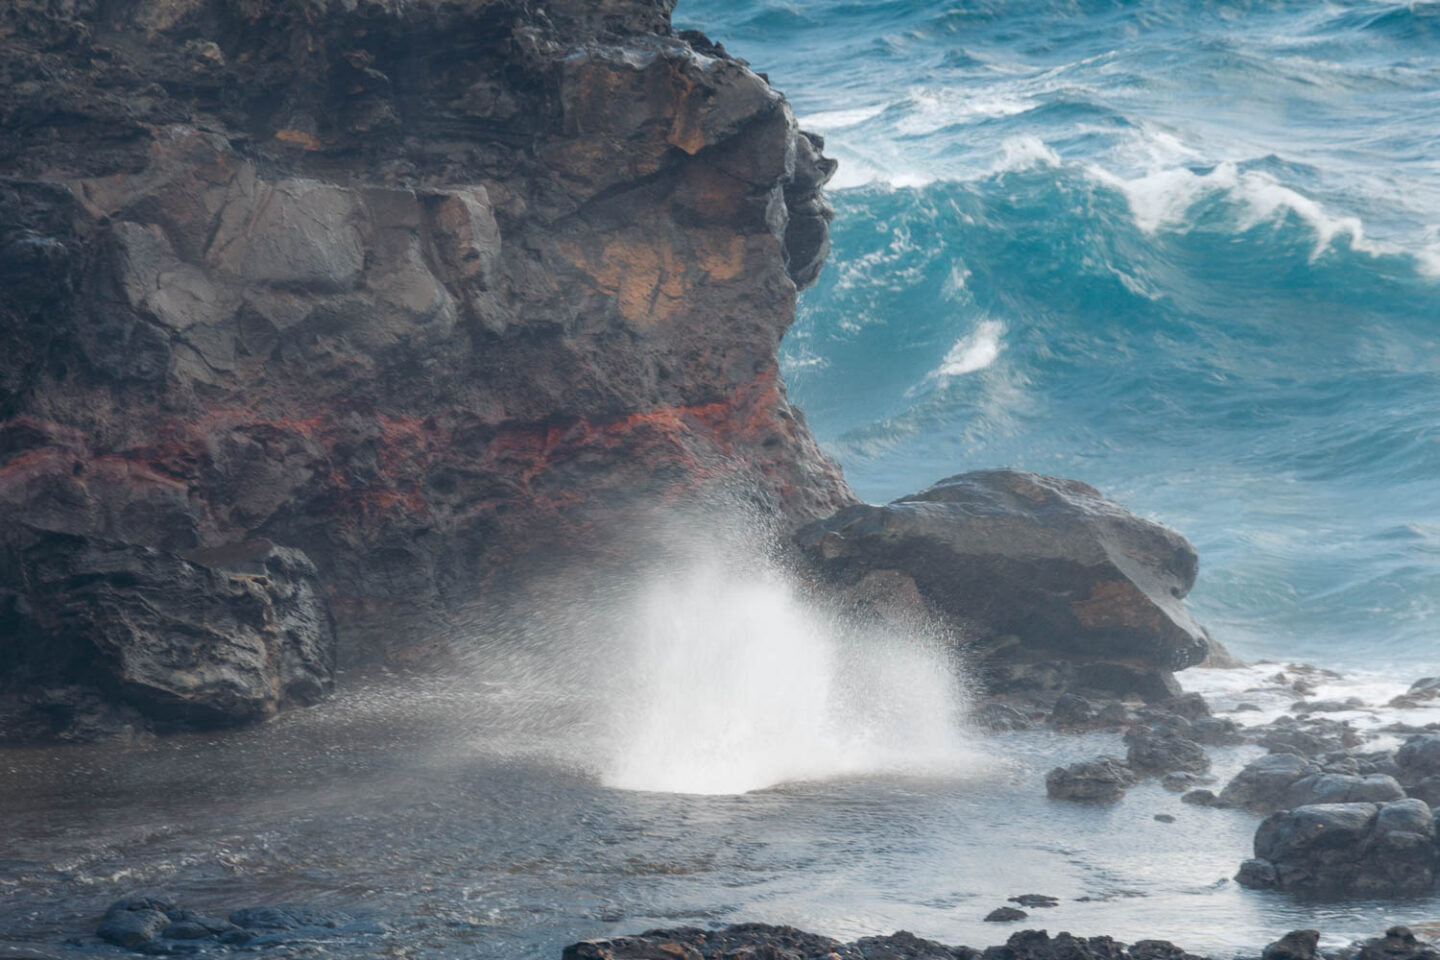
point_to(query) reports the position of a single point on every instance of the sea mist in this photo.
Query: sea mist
(711, 668)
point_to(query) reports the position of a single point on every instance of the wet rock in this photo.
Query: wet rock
(1204, 798)
(129, 923)
(906, 946)
(1295, 945)
(1066, 589)
(1418, 758)
(1399, 943)
(1035, 900)
(1263, 784)
(1421, 691)
(1005, 915)
(1159, 753)
(691, 943)
(180, 642)
(1308, 737)
(159, 927)
(1326, 706)
(1039, 945)
(1181, 781)
(1350, 849)
(1159, 950)
(1072, 711)
(1102, 780)
(1113, 714)
(1338, 788)
(1164, 818)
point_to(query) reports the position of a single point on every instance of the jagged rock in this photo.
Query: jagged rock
(1067, 588)
(1102, 780)
(1350, 849)
(229, 637)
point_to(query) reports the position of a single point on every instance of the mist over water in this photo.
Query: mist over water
(706, 669)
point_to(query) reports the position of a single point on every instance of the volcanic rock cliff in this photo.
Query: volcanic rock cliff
(402, 286)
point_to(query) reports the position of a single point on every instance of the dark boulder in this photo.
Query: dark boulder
(1039, 945)
(1204, 798)
(1064, 587)
(1295, 945)
(1005, 915)
(1418, 758)
(1071, 711)
(1346, 849)
(1102, 780)
(1399, 943)
(224, 638)
(1159, 753)
(1264, 783)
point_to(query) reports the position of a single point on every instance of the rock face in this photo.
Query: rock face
(1346, 849)
(163, 641)
(1058, 586)
(408, 287)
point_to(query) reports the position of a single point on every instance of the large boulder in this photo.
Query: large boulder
(224, 637)
(1056, 585)
(1346, 849)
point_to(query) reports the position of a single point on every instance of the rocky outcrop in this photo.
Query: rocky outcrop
(99, 637)
(1056, 586)
(1346, 849)
(787, 943)
(413, 288)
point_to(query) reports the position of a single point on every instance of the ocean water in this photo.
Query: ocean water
(1187, 251)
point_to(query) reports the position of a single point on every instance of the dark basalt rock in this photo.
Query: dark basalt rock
(1418, 758)
(1346, 849)
(1295, 945)
(1151, 752)
(1065, 588)
(1102, 780)
(1005, 915)
(1399, 943)
(1264, 783)
(176, 641)
(421, 289)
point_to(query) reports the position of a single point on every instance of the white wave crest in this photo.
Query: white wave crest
(974, 351)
